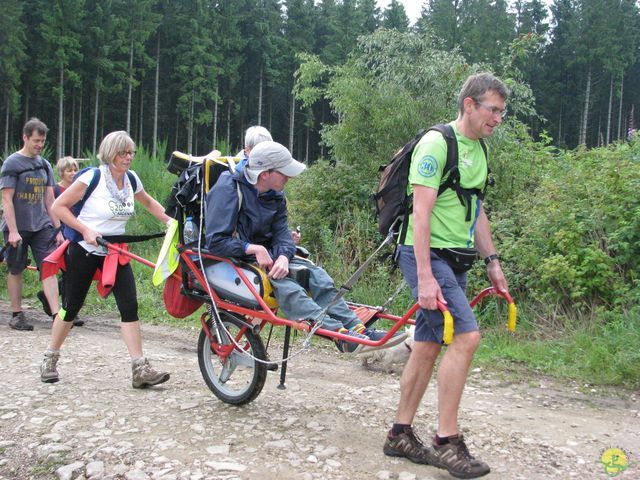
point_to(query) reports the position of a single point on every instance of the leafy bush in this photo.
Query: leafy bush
(573, 242)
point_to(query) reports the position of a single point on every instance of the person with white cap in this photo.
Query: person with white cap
(257, 230)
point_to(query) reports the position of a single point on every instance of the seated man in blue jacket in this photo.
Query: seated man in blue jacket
(258, 231)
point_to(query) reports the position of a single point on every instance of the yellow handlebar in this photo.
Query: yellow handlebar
(447, 336)
(511, 321)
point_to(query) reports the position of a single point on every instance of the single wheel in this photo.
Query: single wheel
(237, 378)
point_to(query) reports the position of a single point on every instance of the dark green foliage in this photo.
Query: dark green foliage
(12, 53)
(572, 243)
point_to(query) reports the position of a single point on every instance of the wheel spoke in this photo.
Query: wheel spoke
(235, 378)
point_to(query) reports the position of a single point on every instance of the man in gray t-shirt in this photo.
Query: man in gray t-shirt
(27, 181)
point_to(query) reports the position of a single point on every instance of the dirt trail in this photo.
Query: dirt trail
(329, 423)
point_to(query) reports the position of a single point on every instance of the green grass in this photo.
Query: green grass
(599, 355)
(48, 467)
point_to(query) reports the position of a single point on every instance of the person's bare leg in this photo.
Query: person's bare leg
(59, 331)
(452, 376)
(132, 338)
(415, 379)
(50, 288)
(14, 285)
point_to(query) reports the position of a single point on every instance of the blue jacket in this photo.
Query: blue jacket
(261, 219)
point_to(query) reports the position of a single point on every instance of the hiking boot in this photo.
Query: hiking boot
(144, 375)
(456, 459)
(20, 323)
(375, 335)
(45, 303)
(349, 347)
(408, 445)
(48, 370)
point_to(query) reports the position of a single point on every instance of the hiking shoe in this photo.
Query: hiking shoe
(376, 335)
(78, 322)
(456, 459)
(408, 445)
(45, 303)
(20, 323)
(349, 347)
(144, 375)
(48, 370)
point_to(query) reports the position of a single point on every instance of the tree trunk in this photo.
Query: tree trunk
(190, 125)
(102, 118)
(306, 148)
(215, 120)
(195, 138)
(27, 100)
(322, 123)
(176, 130)
(229, 124)
(60, 145)
(79, 136)
(585, 112)
(6, 126)
(292, 117)
(155, 100)
(260, 96)
(95, 117)
(140, 115)
(73, 122)
(609, 113)
(620, 106)
(130, 87)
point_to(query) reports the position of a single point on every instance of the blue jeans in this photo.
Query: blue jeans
(298, 304)
(430, 323)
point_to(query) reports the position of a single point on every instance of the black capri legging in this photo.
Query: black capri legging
(81, 266)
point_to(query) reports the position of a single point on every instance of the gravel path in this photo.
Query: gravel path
(329, 423)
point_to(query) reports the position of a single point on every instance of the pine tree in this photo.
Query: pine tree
(60, 55)
(196, 65)
(12, 61)
(395, 17)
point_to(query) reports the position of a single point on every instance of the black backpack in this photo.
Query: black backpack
(393, 205)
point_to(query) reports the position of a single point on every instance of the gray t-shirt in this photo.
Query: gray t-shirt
(29, 177)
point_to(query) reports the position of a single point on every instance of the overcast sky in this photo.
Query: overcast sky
(412, 7)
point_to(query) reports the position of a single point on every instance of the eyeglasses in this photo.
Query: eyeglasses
(495, 111)
(124, 153)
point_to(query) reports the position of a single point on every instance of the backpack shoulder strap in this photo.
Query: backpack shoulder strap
(69, 232)
(132, 180)
(484, 149)
(450, 173)
(77, 208)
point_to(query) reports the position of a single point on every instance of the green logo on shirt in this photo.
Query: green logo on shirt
(428, 166)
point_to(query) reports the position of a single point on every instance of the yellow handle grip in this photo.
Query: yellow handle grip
(511, 322)
(447, 336)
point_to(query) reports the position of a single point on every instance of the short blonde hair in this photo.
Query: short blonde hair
(118, 141)
(65, 163)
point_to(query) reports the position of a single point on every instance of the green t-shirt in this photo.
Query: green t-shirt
(449, 229)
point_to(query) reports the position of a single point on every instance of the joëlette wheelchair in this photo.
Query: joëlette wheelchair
(239, 301)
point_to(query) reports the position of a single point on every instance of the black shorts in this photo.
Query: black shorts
(42, 243)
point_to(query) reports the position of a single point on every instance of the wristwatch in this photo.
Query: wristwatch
(491, 258)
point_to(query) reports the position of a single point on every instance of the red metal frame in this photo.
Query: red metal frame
(267, 315)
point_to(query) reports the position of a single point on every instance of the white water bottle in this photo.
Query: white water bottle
(190, 231)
